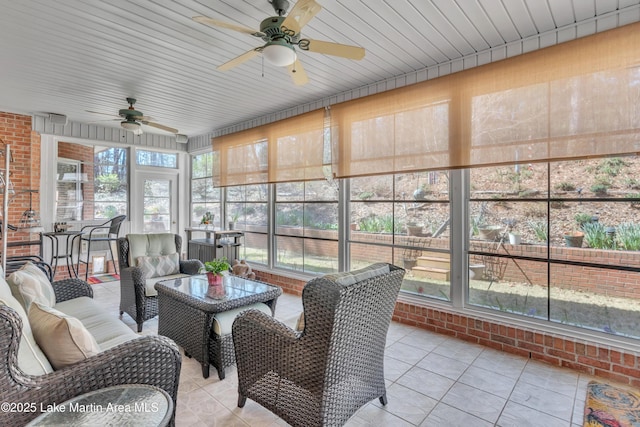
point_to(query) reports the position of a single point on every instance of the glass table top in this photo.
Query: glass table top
(232, 288)
(123, 405)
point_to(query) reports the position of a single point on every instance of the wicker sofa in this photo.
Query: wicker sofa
(321, 375)
(26, 376)
(138, 296)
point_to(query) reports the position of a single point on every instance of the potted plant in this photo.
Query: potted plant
(207, 219)
(514, 236)
(214, 270)
(232, 220)
(573, 239)
(414, 229)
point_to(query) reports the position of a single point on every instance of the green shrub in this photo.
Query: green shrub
(632, 183)
(380, 224)
(612, 166)
(540, 229)
(107, 183)
(582, 218)
(365, 195)
(628, 236)
(596, 236)
(110, 211)
(565, 186)
(600, 189)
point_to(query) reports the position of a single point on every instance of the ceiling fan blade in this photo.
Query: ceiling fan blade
(238, 60)
(301, 14)
(142, 118)
(297, 73)
(216, 23)
(159, 126)
(335, 49)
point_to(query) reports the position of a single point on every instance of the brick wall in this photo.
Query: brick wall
(15, 130)
(555, 349)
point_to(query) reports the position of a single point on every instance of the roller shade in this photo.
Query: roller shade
(286, 150)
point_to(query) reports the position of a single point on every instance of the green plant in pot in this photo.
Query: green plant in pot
(214, 270)
(574, 239)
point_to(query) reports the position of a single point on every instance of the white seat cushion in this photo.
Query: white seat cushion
(107, 329)
(222, 322)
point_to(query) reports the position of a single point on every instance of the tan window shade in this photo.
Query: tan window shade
(297, 146)
(243, 158)
(577, 99)
(287, 150)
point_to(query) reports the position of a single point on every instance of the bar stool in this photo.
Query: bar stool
(96, 233)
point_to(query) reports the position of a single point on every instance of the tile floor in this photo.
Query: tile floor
(432, 380)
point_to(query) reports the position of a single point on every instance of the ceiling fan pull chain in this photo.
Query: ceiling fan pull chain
(262, 57)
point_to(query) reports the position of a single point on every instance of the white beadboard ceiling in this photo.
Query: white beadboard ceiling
(70, 56)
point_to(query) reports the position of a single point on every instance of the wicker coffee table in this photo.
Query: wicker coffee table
(186, 312)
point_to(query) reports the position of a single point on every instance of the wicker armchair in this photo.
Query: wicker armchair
(149, 360)
(138, 298)
(322, 375)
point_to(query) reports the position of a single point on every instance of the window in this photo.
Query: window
(204, 198)
(92, 182)
(403, 219)
(306, 234)
(576, 259)
(246, 207)
(111, 182)
(157, 159)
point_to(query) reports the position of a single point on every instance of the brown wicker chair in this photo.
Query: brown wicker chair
(152, 360)
(322, 375)
(134, 289)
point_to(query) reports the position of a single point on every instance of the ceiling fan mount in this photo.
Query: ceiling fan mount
(281, 35)
(280, 6)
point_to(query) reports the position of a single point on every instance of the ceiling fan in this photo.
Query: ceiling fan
(133, 119)
(282, 35)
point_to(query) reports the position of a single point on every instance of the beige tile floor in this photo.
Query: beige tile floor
(432, 380)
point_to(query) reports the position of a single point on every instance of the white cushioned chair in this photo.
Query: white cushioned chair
(146, 259)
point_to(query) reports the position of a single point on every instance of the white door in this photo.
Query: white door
(158, 210)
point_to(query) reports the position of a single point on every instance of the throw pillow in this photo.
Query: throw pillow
(158, 266)
(63, 339)
(30, 284)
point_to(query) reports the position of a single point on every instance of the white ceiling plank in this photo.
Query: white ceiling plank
(501, 19)
(71, 56)
(478, 18)
(519, 15)
(541, 15)
(562, 11)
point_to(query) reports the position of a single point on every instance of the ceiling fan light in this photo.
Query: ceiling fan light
(132, 126)
(279, 53)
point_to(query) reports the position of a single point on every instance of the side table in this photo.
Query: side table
(121, 405)
(55, 236)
